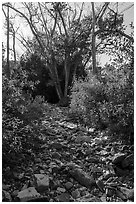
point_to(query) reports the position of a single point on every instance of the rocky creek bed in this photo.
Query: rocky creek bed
(70, 164)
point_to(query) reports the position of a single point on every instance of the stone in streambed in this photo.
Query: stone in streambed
(75, 194)
(64, 197)
(61, 190)
(68, 185)
(56, 155)
(27, 194)
(42, 182)
(83, 178)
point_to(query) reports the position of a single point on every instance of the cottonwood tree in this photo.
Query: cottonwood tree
(44, 34)
(110, 29)
(108, 32)
(11, 31)
(7, 67)
(35, 18)
(65, 34)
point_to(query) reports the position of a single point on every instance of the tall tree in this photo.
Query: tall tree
(8, 27)
(10, 31)
(93, 40)
(64, 35)
(30, 17)
(37, 19)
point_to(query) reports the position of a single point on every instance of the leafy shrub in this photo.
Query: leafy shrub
(19, 115)
(85, 99)
(106, 102)
(78, 96)
(35, 110)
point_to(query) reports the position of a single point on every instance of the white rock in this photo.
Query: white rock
(42, 182)
(27, 194)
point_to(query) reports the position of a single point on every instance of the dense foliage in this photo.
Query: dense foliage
(37, 72)
(20, 115)
(106, 101)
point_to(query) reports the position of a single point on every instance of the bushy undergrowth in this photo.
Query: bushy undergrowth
(20, 114)
(105, 102)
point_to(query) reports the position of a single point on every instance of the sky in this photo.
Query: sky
(123, 7)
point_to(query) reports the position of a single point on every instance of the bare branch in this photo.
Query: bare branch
(101, 13)
(55, 23)
(93, 39)
(44, 22)
(63, 22)
(29, 23)
(81, 10)
(4, 13)
(59, 28)
(24, 42)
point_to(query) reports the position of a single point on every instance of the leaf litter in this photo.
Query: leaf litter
(68, 163)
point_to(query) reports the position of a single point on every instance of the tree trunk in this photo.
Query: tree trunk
(54, 75)
(93, 41)
(8, 65)
(14, 48)
(57, 82)
(67, 72)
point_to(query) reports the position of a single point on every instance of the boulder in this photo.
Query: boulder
(75, 194)
(82, 177)
(68, 185)
(42, 182)
(27, 194)
(64, 197)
